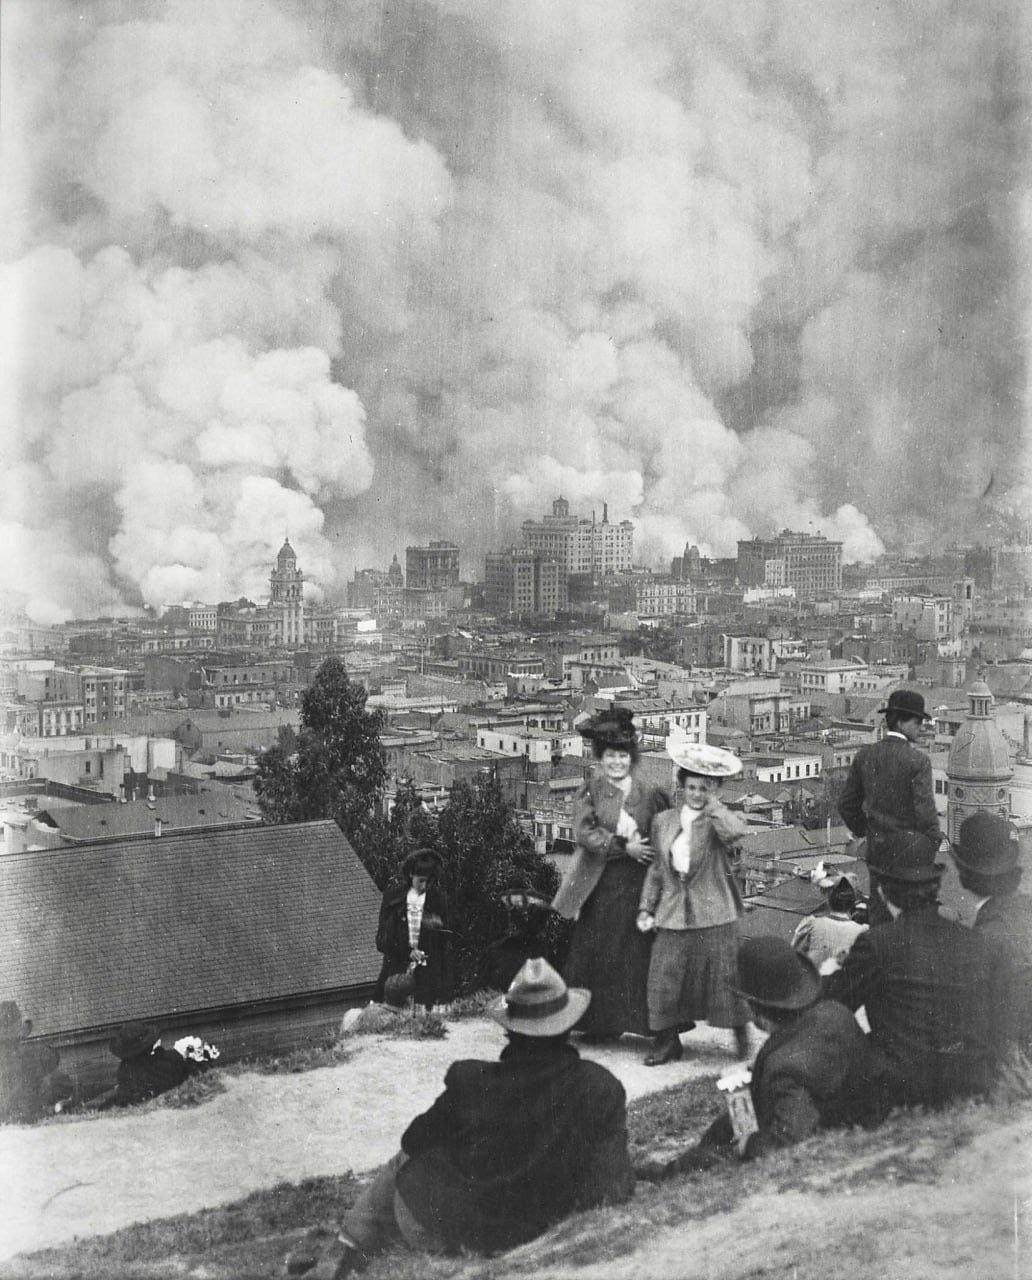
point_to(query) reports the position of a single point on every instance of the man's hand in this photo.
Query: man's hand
(646, 922)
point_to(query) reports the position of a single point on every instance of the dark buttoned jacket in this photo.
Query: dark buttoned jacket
(1005, 924)
(596, 812)
(815, 1072)
(513, 1146)
(889, 788)
(932, 994)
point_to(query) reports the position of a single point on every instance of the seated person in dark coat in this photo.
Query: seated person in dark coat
(814, 1072)
(929, 985)
(31, 1086)
(987, 857)
(145, 1069)
(412, 935)
(510, 1147)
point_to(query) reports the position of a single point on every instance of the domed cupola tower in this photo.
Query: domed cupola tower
(979, 765)
(286, 596)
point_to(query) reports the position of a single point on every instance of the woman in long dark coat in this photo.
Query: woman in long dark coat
(612, 815)
(412, 935)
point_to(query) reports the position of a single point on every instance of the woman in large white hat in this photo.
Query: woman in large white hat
(692, 901)
(612, 815)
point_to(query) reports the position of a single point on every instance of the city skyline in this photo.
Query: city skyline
(408, 273)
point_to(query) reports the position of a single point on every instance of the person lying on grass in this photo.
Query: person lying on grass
(508, 1150)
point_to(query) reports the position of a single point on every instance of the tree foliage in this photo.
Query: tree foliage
(483, 851)
(337, 769)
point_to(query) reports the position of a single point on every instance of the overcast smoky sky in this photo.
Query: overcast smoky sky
(370, 273)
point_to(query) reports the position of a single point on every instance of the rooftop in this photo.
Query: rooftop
(209, 920)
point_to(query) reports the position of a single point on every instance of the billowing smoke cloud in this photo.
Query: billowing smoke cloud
(377, 272)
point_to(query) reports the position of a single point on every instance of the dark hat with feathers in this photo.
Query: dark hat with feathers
(612, 729)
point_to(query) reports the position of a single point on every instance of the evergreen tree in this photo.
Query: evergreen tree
(338, 769)
(484, 852)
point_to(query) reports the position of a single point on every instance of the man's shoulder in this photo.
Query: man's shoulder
(830, 1019)
(600, 1079)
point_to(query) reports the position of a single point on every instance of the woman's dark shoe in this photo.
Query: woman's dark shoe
(668, 1049)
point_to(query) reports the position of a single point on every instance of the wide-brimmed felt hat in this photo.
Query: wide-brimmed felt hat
(772, 973)
(10, 1020)
(612, 728)
(907, 856)
(133, 1039)
(987, 844)
(539, 1003)
(906, 702)
(420, 858)
(703, 758)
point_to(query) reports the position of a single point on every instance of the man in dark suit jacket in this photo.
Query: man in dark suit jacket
(889, 787)
(509, 1148)
(929, 985)
(815, 1071)
(988, 861)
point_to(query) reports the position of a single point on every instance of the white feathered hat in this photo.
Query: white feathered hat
(700, 757)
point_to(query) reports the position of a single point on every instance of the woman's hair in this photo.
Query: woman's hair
(842, 896)
(600, 748)
(421, 867)
(990, 886)
(684, 774)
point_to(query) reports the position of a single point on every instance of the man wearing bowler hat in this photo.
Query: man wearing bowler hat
(510, 1147)
(988, 856)
(932, 991)
(889, 787)
(815, 1071)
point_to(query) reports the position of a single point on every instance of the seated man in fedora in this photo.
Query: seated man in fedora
(889, 787)
(814, 1072)
(507, 1150)
(988, 862)
(931, 988)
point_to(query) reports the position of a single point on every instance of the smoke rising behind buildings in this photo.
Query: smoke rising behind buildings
(371, 273)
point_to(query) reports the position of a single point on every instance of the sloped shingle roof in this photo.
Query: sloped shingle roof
(99, 934)
(137, 817)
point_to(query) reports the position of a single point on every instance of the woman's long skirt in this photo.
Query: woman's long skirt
(691, 978)
(609, 956)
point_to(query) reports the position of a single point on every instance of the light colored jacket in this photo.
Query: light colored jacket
(596, 811)
(707, 894)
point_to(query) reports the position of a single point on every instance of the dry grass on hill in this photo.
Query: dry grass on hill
(832, 1176)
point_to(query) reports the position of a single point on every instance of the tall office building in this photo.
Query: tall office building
(581, 546)
(523, 582)
(806, 561)
(432, 568)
